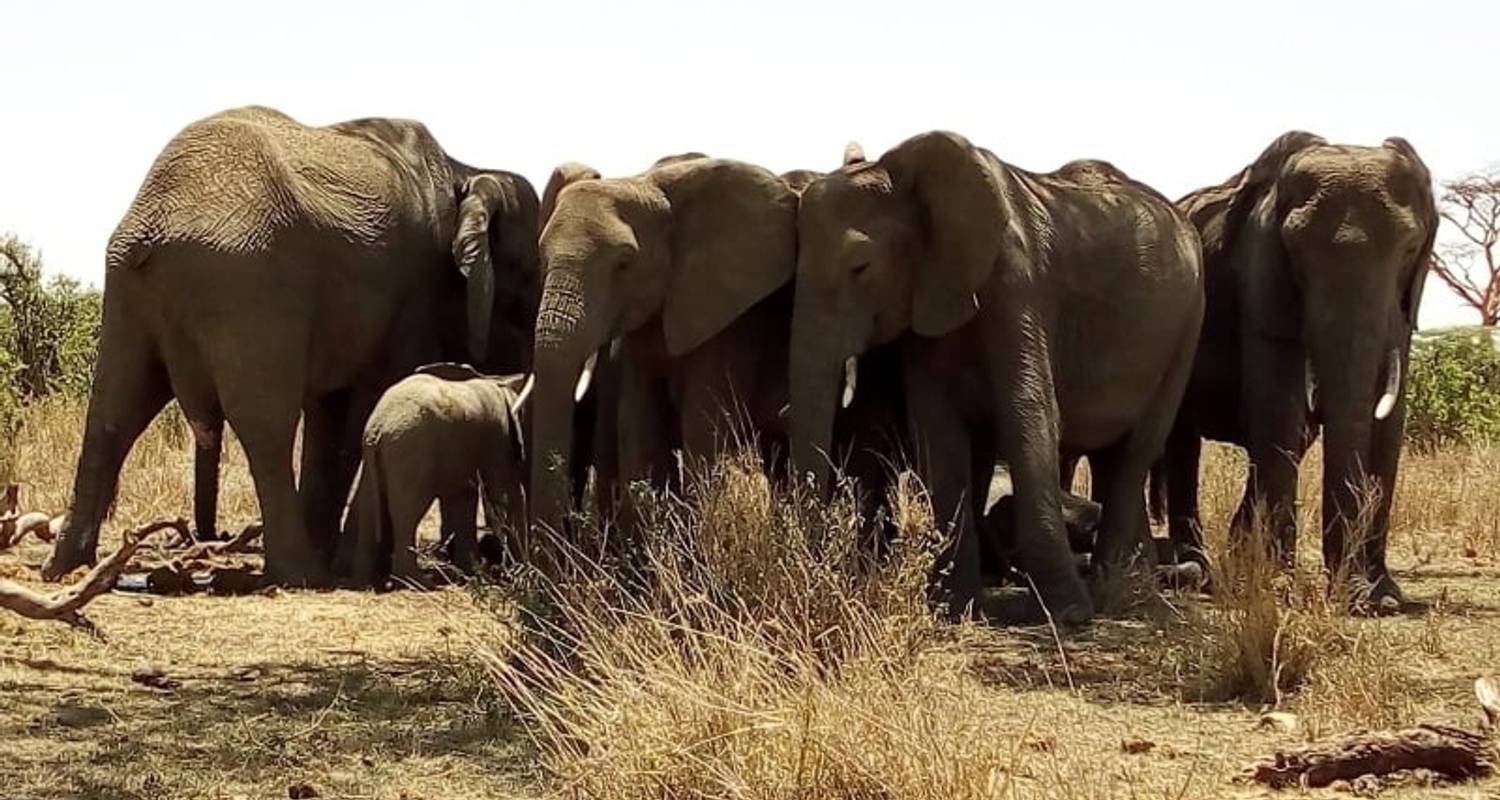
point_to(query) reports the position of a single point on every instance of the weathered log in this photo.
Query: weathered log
(239, 544)
(66, 605)
(1454, 753)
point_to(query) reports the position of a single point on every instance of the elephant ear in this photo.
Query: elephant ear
(968, 223)
(733, 243)
(564, 174)
(1251, 233)
(449, 371)
(1423, 205)
(484, 197)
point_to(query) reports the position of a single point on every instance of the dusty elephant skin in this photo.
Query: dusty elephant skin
(1314, 256)
(1034, 311)
(685, 269)
(441, 434)
(266, 269)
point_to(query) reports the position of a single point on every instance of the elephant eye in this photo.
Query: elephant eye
(859, 269)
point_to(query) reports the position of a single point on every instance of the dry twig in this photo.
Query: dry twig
(67, 605)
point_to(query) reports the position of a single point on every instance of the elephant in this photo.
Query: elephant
(1315, 255)
(267, 268)
(431, 437)
(1034, 312)
(687, 265)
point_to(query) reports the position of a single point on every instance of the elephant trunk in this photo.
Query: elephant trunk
(558, 362)
(1351, 363)
(815, 377)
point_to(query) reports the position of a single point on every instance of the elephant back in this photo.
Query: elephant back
(234, 182)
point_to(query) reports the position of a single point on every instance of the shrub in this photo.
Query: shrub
(49, 331)
(1453, 394)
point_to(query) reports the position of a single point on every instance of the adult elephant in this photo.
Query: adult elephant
(688, 265)
(1315, 255)
(268, 268)
(1047, 310)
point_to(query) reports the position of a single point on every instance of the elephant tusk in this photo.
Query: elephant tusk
(1387, 402)
(585, 378)
(525, 393)
(1310, 381)
(851, 379)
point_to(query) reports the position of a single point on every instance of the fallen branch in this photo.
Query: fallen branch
(1454, 753)
(66, 605)
(239, 544)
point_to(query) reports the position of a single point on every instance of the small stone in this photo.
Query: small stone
(1136, 747)
(302, 790)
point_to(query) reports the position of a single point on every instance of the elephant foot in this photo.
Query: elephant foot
(1381, 597)
(1012, 605)
(299, 576)
(68, 554)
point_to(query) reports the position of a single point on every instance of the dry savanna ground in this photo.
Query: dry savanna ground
(756, 665)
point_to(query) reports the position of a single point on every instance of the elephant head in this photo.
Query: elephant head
(688, 245)
(494, 248)
(888, 246)
(1331, 243)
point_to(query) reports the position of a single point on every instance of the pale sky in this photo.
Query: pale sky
(1179, 94)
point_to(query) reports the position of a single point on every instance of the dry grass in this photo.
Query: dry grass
(766, 658)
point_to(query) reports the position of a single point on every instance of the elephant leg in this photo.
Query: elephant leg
(944, 460)
(208, 444)
(606, 434)
(130, 388)
(364, 544)
(993, 550)
(1277, 438)
(1385, 593)
(460, 537)
(1178, 468)
(327, 467)
(501, 480)
(645, 441)
(261, 392)
(1119, 473)
(267, 437)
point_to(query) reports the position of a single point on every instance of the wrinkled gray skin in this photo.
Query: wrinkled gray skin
(687, 265)
(1049, 311)
(266, 269)
(439, 435)
(1081, 517)
(1315, 256)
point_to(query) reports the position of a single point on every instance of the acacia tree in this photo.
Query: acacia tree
(1471, 264)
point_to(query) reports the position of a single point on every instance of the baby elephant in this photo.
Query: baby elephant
(433, 436)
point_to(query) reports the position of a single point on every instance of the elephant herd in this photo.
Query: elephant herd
(935, 305)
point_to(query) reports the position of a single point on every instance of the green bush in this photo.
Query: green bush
(49, 331)
(1453, 394)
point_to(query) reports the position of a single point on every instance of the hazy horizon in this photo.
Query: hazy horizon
(1178, 94)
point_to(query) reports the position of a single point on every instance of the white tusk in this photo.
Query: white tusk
(1310, 381)
(785, 410)
(585, 378)
(1387, 402)
(525, 392)
(851, 379)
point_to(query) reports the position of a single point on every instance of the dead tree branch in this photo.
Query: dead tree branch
(1471, 267)
(67, 605)
(1454, 753)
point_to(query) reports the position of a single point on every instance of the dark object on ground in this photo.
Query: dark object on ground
(1454, 753)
